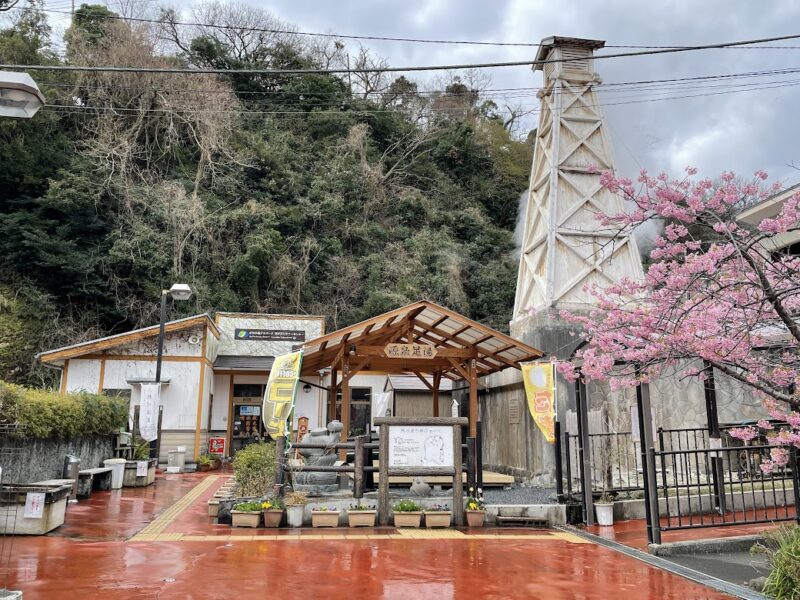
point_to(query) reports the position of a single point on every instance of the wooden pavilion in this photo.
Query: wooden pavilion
(419, 339)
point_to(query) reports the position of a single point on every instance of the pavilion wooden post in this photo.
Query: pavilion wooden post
(345, 403)
(334, 387)
(473, 398)
(437, 379)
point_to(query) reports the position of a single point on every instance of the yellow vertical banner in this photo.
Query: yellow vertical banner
(280, 393)
(540, 388)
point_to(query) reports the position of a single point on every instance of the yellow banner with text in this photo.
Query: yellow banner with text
(540, 388)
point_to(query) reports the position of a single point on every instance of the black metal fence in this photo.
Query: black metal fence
(713, 487)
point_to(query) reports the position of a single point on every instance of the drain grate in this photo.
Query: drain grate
(523, 521)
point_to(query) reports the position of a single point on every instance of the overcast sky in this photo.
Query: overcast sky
(740, 131)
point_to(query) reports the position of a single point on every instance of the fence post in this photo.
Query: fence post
(568, 458)
(559, 466)
(652, 492)
(646, 444)
(280, 464)
(358, 467)
(369, 476)
(471, 463)
(793, 452)
(479, 454)
(584, 451)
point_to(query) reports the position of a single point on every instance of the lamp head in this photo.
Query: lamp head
(180, 291)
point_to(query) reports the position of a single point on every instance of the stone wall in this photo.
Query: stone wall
(33, 459)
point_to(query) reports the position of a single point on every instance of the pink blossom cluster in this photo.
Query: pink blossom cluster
(715, 290)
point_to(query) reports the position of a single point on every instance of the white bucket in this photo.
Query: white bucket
(605, 514)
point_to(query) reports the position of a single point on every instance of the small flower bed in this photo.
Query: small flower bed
(475, 501)
(438, 508)
(406, 506)
(325, 509)
(273, 503)
(252, 506)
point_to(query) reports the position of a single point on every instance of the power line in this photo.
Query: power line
(675, 47)
(337, 71)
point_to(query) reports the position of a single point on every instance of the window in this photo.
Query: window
(248, 390)
(360, 410)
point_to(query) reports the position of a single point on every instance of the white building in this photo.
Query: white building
(214, 372)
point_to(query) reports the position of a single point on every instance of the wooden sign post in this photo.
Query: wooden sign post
(418, 446)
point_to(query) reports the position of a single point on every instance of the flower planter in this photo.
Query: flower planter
(605, 514)
(273, 517)
(241, 518)
(407, 519)
(475, 518)
(213, 507)
(324, 518)
(438, 518)
(130, 479)
(361, 518)
(294, 515)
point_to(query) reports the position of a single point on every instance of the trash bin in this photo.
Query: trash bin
(72, 467)
(176, 460)
(117, 466)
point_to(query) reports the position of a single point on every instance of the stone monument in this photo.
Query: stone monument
(317, 484)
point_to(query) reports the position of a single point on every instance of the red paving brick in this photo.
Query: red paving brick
(91, 557)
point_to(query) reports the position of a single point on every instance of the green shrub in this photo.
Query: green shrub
(254, 469)
(783, 554)
(47, 414)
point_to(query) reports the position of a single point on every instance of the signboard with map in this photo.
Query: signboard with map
(421, 446)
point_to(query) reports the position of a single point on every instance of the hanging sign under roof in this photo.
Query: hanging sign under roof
(409, 351)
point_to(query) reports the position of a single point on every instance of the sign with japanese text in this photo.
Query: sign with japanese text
(216, 445)
(270, 335)
(540, 388)
(34, 505)
(281, 391)
(409, 351)
(420, 446)
(141, 468)
(148, 411)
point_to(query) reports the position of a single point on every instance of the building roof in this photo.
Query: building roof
(412, 383)
(456, 338)
(767, 208)
(244, 363)
(112, 341)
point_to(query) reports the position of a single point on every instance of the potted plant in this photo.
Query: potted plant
(205, 462)
(295, 506)
(604, 506)
(407, 513)
(246, 514)
(438, 515)
(475, 508)
(361, 515)
(272, 508)
(325, 516)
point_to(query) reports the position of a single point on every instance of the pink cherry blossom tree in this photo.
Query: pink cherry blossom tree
(717, 293)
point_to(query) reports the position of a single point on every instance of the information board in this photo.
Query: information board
(270, 335)
(421, 446)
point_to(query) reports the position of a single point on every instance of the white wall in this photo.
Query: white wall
(83, 376)
(222, 398)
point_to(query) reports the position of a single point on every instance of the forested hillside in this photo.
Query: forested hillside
(334, 195)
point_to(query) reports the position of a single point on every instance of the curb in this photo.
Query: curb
(739, 543)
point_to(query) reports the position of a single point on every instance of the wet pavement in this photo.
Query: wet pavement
(157, 542)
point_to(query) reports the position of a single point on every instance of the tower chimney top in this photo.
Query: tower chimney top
(555, 41)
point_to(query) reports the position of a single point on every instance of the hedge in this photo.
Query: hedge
(48, 414)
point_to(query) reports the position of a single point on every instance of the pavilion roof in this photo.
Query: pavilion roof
(455, 337)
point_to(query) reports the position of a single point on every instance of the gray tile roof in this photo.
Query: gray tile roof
(252, 363)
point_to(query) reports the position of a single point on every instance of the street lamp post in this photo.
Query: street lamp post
(178, 291)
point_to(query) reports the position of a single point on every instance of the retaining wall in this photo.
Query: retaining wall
(34, 459)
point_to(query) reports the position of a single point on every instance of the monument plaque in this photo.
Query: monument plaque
(421, 446)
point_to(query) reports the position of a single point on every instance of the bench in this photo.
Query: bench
(523, 520)
(70, 482)
(90, 480)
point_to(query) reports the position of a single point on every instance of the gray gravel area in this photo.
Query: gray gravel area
(520, 495)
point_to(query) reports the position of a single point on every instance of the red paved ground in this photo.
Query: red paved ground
(91, 558)
(634, 533)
